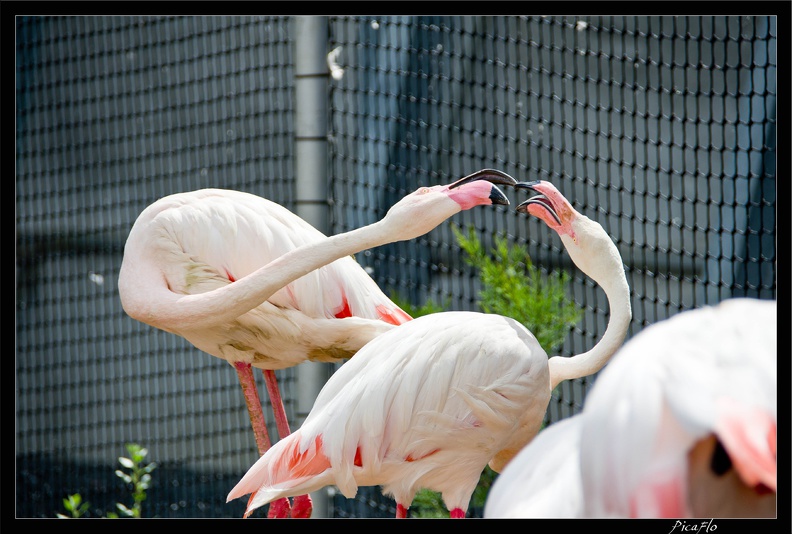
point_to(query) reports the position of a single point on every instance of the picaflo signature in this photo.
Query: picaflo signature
(684, 526)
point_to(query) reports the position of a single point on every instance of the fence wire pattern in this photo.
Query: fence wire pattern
(663, 129)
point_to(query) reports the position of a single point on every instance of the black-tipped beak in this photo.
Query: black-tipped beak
(527, 185)
(539, 199)
(497, 197)
(494, 177)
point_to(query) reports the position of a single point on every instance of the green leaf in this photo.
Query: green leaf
(124, 510)
(428, 504)
(138, 481)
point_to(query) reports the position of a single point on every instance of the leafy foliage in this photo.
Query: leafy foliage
(75, 506)
(428, 504)
(514, 287)
(511, 285)
(137, 480)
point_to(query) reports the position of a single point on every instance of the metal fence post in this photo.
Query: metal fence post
(312, 187)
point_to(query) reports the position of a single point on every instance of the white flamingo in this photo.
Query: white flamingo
(680, 424)
(246, 280)
(431, 402)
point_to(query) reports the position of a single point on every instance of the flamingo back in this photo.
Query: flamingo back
(427, 404)
(218, 236)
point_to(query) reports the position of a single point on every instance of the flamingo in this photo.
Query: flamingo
(680, 424)
(431, 402)
(246, 280)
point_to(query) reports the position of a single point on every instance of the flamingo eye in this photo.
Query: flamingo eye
(424, 190)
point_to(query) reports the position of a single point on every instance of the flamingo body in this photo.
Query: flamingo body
(680, 424)
(433, 401)
(206, 239)
(245, 280)
(426, 405)
(683, 388)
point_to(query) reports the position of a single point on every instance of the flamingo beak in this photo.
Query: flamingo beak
(540, 199)
(493, 176)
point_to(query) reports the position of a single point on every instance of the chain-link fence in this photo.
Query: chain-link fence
(660, 128)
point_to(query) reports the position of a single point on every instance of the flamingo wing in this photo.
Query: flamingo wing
(213, 233)
(426, 404)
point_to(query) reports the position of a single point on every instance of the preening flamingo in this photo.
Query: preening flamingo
(431, 402)
(680, 424)
(246, 280)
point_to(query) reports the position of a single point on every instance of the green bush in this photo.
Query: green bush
(511, 285)
(137, 481)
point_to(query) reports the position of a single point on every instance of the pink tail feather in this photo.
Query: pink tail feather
(281, 467)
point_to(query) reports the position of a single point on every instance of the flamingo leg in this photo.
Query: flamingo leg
(302, 504)
(457, 513)
(245, 372)
(281, 507)
(401, 511)
(281, 421)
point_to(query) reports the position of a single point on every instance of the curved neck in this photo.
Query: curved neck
(231, 301)
(618, 293)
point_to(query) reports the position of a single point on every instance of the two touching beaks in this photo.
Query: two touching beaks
(497, 177)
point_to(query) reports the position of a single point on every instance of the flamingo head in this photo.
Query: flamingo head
(589, 246)
(550, 206)
(479, 189)
(426, 208)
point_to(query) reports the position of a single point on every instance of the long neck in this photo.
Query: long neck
(231, 301)
(611, 278)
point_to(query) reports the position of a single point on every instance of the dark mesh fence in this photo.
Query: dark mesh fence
(660, 128)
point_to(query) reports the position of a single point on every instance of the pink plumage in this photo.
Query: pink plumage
(246, 280)
(431, 402)
(681, 423)
(704, 378)
(427, 404)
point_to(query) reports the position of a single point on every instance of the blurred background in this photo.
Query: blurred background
(663, 129)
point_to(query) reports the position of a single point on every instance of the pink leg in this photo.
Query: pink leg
(457, 513)
(281, 421)
(245, 373)
(302, 506)
(279, 509)
(401, 512)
